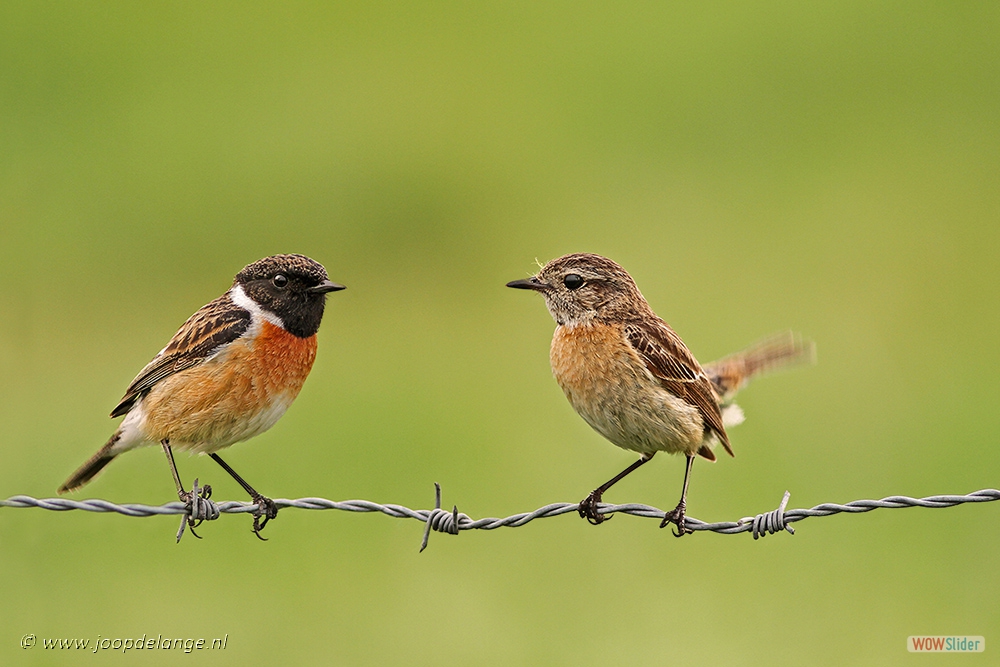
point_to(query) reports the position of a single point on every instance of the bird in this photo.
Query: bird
(227, 375)
(632, 378)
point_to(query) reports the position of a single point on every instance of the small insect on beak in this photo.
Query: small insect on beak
(532, 283)
(326, 286)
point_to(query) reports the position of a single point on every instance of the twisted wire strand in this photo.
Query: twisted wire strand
(453, 521)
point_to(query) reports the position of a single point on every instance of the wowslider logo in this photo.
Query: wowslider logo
(943, 644)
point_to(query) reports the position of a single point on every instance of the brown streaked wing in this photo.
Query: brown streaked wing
(217, 323)
(663, 351)
(669, 360)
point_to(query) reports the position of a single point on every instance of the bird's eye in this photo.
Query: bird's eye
(572, 281)
(279, 281)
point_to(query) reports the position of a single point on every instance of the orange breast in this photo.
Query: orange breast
(236, 395)
(609, 386)
(594, 365)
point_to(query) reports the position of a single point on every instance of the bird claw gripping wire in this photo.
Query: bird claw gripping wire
(266, 509)
(441, 520)
(589, 509)
(199, 508)
(678, 517)
(771, 522)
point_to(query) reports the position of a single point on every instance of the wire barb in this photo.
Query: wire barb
(199, 508)
(454, 521)
(440, 520)
(771, 522)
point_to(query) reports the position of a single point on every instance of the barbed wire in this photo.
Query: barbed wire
(453, 521)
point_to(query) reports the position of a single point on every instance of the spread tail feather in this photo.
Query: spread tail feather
(94, 465)
(732, 373)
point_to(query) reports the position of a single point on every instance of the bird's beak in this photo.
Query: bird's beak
(326, 286)
(532, 283)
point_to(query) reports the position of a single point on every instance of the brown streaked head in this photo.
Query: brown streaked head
(582, 287)
(293, 287)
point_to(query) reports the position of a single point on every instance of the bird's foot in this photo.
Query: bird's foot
(267, 510)
(676, 516)
(588, 508)
(199, 508)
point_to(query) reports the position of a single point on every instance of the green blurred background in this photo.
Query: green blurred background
(827, 167)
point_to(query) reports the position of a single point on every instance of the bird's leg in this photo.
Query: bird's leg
(588, 506)
(184, 495)
(265, 506)
(189, 498)
(677, 515)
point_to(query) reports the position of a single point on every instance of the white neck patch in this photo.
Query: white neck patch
(240, 298)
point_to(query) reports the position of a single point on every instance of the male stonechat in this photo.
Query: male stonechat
(228, 374)
(631, 377)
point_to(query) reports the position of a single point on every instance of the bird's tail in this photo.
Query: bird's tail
(732, 373)
(94, 465)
